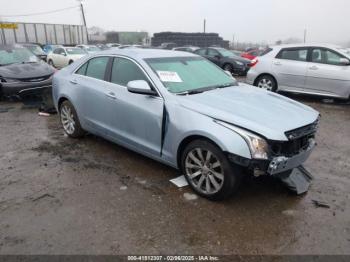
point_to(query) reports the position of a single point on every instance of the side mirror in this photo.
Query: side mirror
(218, 56)
(140, 87)
(344, 61)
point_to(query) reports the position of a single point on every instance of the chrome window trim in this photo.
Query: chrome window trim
(118, 56)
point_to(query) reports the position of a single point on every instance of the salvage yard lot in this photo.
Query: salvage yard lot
(89, 196)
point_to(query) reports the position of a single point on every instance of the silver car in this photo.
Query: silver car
(180, 109)
(322, 70)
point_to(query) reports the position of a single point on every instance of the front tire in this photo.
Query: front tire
(228, 67)
(70, 121)
(50, 62)
(266, 82)
(208, 171)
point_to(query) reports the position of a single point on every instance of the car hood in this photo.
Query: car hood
(259, 111)
(29, 70)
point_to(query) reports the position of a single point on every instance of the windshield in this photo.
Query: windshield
(16, 55)
(226, 53)
(93, 48)
(75, 51)
(35, 49)
(187, 74)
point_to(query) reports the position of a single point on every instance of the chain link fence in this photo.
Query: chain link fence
(44, 34)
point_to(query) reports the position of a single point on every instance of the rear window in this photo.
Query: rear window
(266, 51)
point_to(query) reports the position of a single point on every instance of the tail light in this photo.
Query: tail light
(253, 62)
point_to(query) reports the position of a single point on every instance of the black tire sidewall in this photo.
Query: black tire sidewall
(230, 67)
(78, 130)
(232, 174)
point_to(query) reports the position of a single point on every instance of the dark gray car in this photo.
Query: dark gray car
(21, 72)
(226, 60)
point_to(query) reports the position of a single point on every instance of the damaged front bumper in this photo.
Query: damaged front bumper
(282, 164)
(288, 169)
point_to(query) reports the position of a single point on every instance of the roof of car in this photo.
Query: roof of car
(306, 45)
(146, 53)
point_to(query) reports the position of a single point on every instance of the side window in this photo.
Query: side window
(296, 54)
(57, 51)
(96, 67)
(124, 71)
(82, 69)
(332, 58)
(212, 53)
(201, 52)
(325, 56)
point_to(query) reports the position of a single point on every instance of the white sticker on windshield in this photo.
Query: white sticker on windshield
(169, 76)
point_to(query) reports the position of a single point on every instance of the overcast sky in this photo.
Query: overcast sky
(248, 20)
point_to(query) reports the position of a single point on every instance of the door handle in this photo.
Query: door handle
(278, 63)
(111, 95)
(313, 67)
(74, 81)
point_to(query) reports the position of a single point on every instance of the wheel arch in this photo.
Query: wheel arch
(187, 140)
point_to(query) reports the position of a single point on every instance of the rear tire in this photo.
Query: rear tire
(70, 62)
(208, 171)
(266, 82)
(70, 121)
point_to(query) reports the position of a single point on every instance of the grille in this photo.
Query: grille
(299, 140)
(35, 79)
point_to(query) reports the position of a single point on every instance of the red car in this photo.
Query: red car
(252, 54)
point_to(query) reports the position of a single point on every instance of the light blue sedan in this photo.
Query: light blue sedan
(182, 110)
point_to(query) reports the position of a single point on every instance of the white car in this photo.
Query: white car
(315, 69)
(63, 56)
(91, 49)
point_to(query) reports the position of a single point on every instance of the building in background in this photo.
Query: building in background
(43, 33)
(194, 39)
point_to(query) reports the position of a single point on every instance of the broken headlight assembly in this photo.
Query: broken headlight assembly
(257, 145)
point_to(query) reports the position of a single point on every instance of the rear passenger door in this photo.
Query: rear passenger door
(290, 68)
(136, 120)
(326, 74)
(92, 93)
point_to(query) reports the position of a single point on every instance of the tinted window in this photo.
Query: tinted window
(332, 58)
(266, 51)
(124, 71)
(97, 67)
(82, 69)
(297, 54)
(213, 53)
(58, 51)
(201, 52)
(316, 56)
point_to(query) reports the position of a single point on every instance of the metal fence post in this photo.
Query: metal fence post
(46, 42)
(54, 30)
(25, 32)
(15, 34)
(3, 35)
(36, 34)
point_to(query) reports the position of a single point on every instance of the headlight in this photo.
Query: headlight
(239, 63)
(257, 145)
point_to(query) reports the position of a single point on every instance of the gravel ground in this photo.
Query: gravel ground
(89, 196)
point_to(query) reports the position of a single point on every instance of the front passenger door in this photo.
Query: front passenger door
(326, 74)
(214, 56)
(138, 122)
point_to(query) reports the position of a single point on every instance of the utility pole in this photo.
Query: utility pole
(204, 25)
(84, 20)
(233, 41)
(305, 35)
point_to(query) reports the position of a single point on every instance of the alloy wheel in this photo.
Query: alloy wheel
(204, 171)
(265, 84)
(67, 119)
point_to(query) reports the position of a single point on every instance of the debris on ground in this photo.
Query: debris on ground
(123, 188)
(179, 181)
(190, 197)
(43, 114)
(318, 203)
